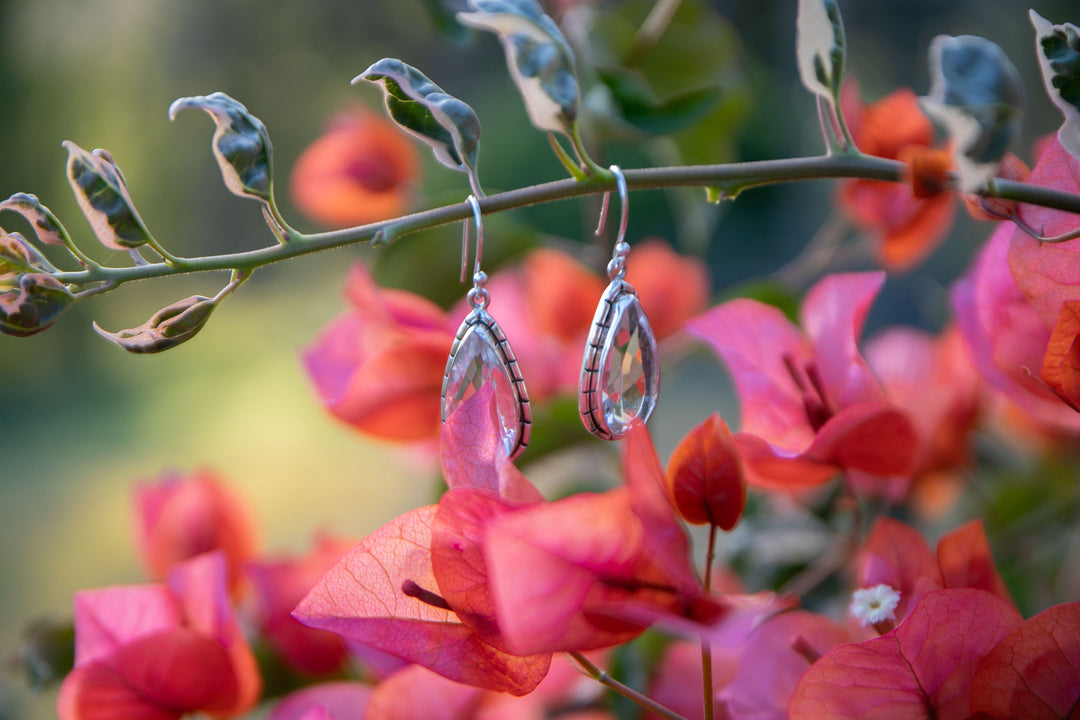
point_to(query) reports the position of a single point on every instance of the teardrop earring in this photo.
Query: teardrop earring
(481, 355)
(620, 371)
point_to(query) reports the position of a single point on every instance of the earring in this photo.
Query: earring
(481, 354)
(620, 373)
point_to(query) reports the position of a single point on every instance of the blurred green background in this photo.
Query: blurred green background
(81, 421)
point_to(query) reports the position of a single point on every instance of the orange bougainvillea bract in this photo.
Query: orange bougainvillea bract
(359, 172)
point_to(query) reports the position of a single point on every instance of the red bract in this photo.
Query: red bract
(1034, 672)
(379, 367)
(416, 693)
(810, 404)
(1048, 274)
(386, 592)
(181, 516)
(278, 586)
(907, 228)
(558, 569)
(594, 570)
(358, 172)
(705, 478)
(329, 701)
(672, 288)
(897, 555)
(1006, 336)
(779, 644)
(678, 681)
(933, 378)
(156, 652)
(923, 669)
(1061, 364)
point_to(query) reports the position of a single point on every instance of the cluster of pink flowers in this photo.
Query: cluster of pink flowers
(470, 607)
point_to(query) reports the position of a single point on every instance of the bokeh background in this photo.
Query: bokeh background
(81, 421)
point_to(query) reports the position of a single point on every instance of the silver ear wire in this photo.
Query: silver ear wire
(472, 201)
(624, 201)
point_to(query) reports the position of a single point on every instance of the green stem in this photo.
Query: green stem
(579, 147)
(625, 690)
(566, 160)
(706, 647)
(650, 32)
(736, 176)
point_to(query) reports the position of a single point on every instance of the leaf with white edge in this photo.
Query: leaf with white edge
(424, 110)
(18, 256)
(538, 57)
(241, 144)
(46, 227)
(167, 328)
(976, 92)
(1058, 50)
(31, 302)
(820, 47)
(103, 198)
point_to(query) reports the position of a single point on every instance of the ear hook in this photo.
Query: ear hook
(465, 238)
(620, 182)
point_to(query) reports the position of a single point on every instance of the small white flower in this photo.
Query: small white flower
(874, 605)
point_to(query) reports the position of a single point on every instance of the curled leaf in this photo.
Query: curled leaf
(241, 144)
(47, 228)
(103, 198)
(538, 57)
(820, 47)
(1058, 50)
(976, 92)
(18, 256)
(31, 302)
(424, 110)
(167, 328)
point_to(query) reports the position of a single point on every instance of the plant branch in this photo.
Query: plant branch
(730, 178)
(626, 691)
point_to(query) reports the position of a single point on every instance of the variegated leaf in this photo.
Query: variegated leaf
(1058, 50)
(820, 47)
(103, 197)
(46, 227)
(976, 92)
(424, 110)
(241, 144)
(538, 56)
(167, 328)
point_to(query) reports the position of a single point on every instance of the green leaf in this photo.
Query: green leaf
(31, 302)
(638, 105)
(46, 227)
(538, 57)
(445, 20)
(424, 110)
(103, 198)
(167, 328)
(821, 47)
(241, 144)
(1058, 50)
(976, 92)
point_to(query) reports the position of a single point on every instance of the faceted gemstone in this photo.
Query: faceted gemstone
(479, 361)
(629, 371)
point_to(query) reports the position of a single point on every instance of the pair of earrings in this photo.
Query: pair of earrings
(620, 371)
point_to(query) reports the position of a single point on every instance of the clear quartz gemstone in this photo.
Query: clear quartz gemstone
(476, 363)
(629, 372)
